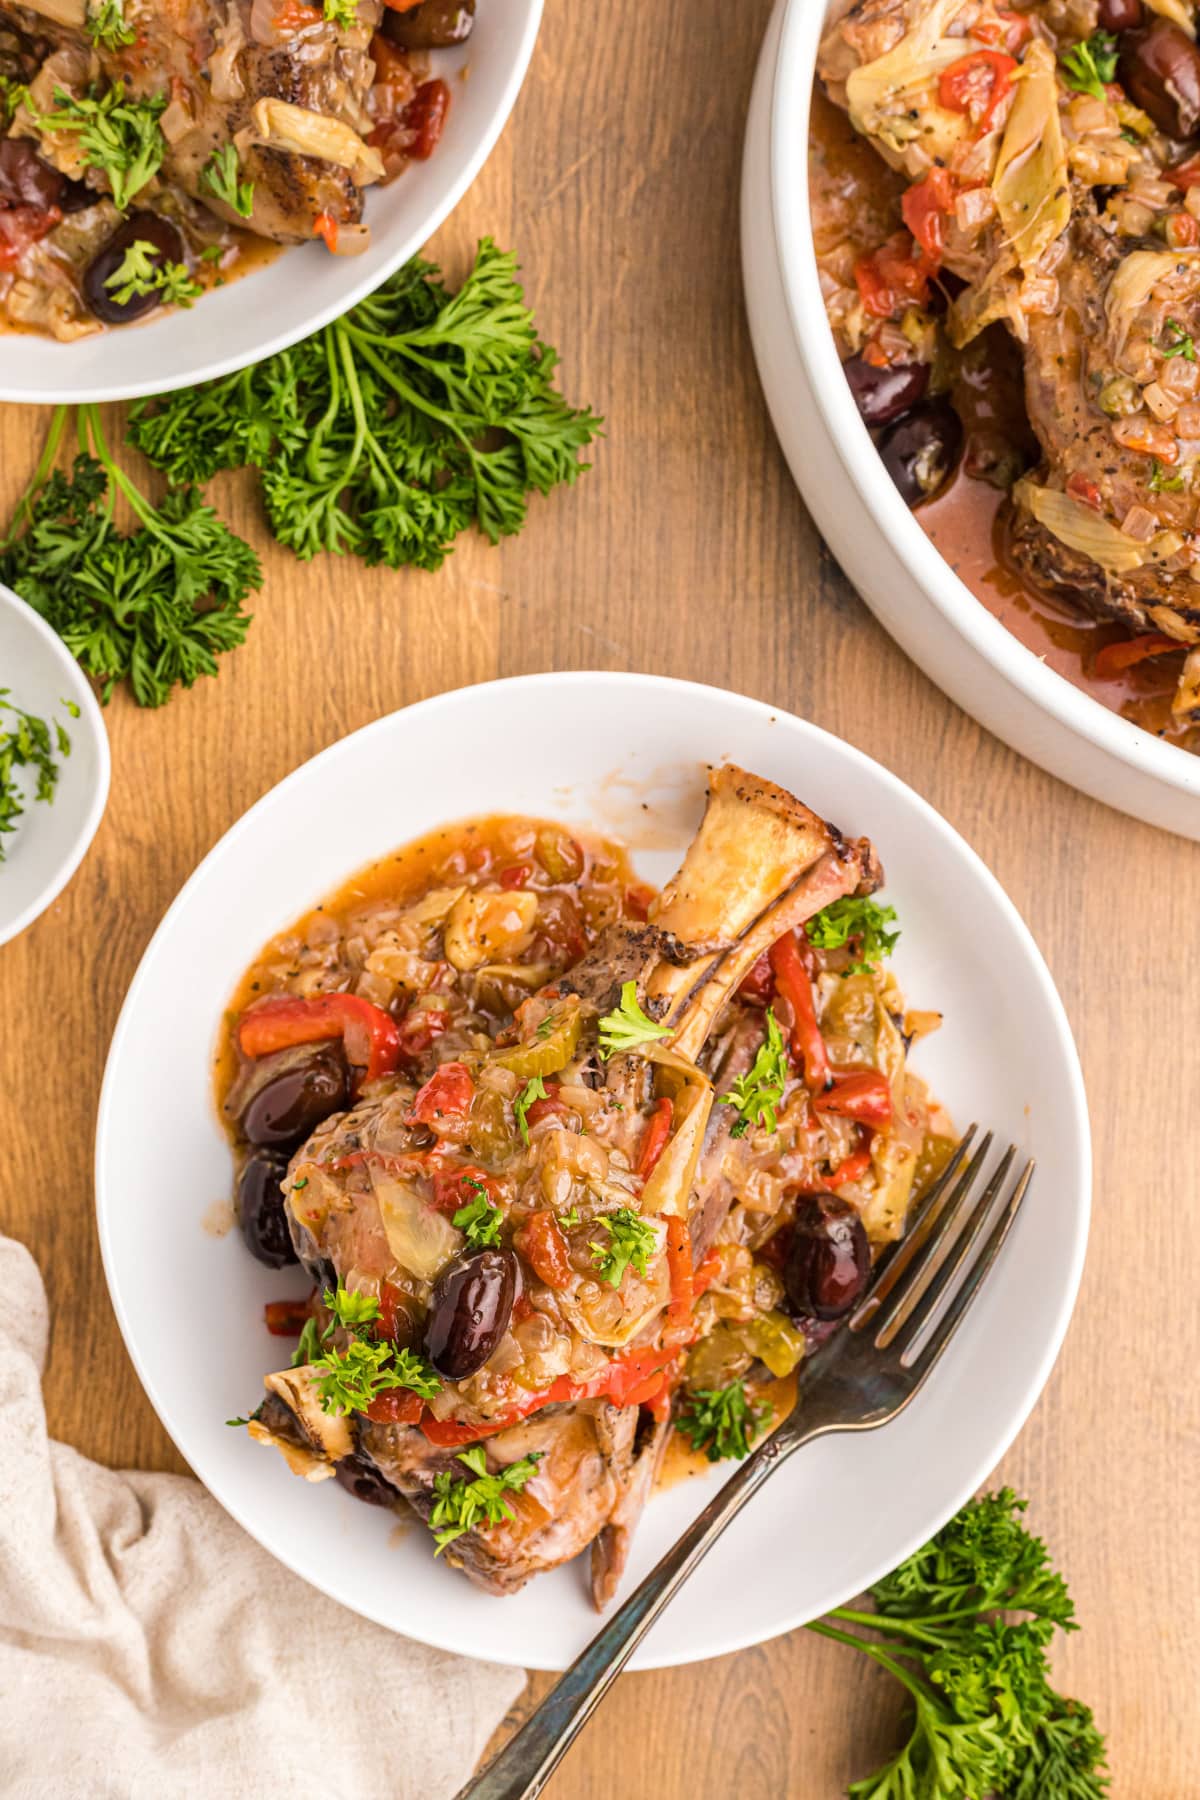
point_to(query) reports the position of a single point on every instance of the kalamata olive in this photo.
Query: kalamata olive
(469, 1311)
(920, 450)
(284, 1112)
(881, 395)
(829, 1259)
(432, 26)
(1160, 71)
(1120, 15)
(261, 1211)
(362, 1479)
(140, 227)
(25, 180)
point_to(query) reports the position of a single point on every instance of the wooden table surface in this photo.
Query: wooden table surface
(687, 552)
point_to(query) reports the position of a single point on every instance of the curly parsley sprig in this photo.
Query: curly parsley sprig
(122, 138)
(460, 1505)
(155, 606)
(862, 923)
(349, 1380)
(631, 1239)
(390, 431)
(1089, 66)
(986, 1719)
(479, 1218)
(144, 270)
(723, 1422)
(28, 743)
(105, 25)
(758, 1092)
(220, 175)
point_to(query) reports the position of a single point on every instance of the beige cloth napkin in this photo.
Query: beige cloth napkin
(150, 1650)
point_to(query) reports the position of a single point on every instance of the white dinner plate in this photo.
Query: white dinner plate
(305, 287)
(623, 754)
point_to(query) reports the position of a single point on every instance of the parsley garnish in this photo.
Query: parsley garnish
(144, 270)
(721, 1421)
(986, 1719)
(1159, 482)
(123, 138)
(350, 1309)
(862, 920)
(569, 1218)
(628, 1026)
(105, 25)
(155, 606)
(1179, 343)
(1091, 65)
(631, 1239)
(28, 743)
(342, 13)
(220, 176)
(479, 1219)
(393, 429)
(534, 1089)
(348, 1380)
(309, 1347)
(459, 1505)
(547, 1026)
(758, 1092)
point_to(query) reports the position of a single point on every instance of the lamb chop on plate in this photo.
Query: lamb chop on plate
(607, 1201)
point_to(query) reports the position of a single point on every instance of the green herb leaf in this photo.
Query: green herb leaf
(393, 429)
(721, 1421)
(342, 13)
(627, 1026)
(308, 1348)
(863, 922)
(144, 270)
(480, 1220)
(105, 25)
(985, 1718)
(27, 743)
(122, 138)
(351, 1310)
(348, 1380)
(460, 1505)
(1159, 482)
(631, 1239)
(220, 176)
(1091, 65)
(534, 1089)
(758, 1092)
(154, 607)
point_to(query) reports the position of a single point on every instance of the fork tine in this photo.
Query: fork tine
(967, 1238)
(955, 1313)
(945, 1194)
(926, 1282)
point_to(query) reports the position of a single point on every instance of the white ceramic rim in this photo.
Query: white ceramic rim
(78, 689)
(803, 23)
(524, 690)
(62, 393)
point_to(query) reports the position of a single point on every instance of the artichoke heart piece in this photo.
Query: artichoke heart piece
(1031, 183)
(1082, 528)
(894, 98)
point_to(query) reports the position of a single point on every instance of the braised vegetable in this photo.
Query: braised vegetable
(418, 413)
(368, 1033)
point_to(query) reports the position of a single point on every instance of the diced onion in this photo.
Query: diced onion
(421, 1239)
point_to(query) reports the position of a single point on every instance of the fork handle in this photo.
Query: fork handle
(527, 1761)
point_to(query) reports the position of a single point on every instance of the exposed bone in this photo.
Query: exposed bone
(328, 1433)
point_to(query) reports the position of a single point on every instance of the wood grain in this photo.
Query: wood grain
(687, 552)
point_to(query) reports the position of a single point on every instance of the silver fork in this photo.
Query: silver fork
(918, 1297)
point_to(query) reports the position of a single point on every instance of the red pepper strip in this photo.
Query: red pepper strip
(457, 1187)
(892, 277)
(925, 207)
(619, 1381)
(285, 1318)
(447, 1094)
(655, 1140)
(807, 1044)
(706, 1274)
(1185, 175)
(977, 85)
(679, 1266)
(369, 1034)
(399, 1406)
(1127, 652)
(759, 985)
(516, 876)
(542, 1244)
(854, 1166)
(861, 1094)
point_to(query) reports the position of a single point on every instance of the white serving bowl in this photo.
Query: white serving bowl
(49, 842)
(622, 754)
(305, 287)
(913, 592)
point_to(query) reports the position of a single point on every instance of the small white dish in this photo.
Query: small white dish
(623, 754)
(50, 839)
(912, 591)
(303, 288)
